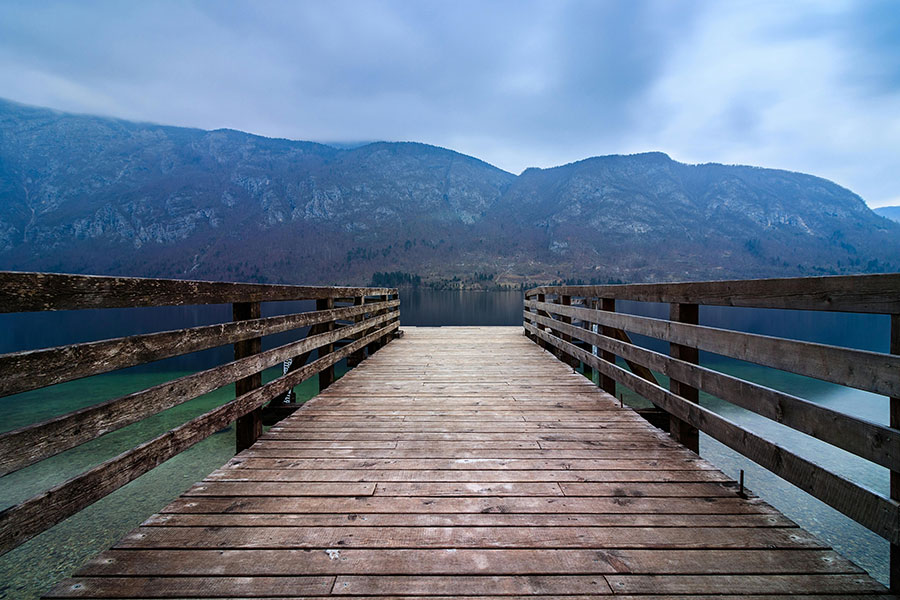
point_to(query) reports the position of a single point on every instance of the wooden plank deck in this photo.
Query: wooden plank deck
(466, 461)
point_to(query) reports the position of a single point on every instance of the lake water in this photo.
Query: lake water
(30, 569)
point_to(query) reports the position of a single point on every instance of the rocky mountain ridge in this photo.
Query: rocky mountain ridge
(889, 212)
(91, 194)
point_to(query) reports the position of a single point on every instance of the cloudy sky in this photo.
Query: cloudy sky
(806, 86)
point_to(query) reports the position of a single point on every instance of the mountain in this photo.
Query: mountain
(659, 219)
(98, 195)
(889, 212)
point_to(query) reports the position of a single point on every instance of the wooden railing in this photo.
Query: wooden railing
(355, 318)
(573, 320)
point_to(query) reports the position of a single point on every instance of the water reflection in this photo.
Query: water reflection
(430, 308)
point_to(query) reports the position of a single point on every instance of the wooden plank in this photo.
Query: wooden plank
(240, 464)
(871, 371)
(878, 293)
(489, 445)
(32, 369)
(470, 585)
(610, 435)
(526, 520)
(464, 561)
(317, 488)
(191, 587)
(744, 584)
(467, 537)
(729, 586)
(387, 450)
(27, 445)
(461, 476)
(467, 489)
(645, 490)
(256, 504)
(25, 520)
(879, 514)
(25, 292)
(514, 425)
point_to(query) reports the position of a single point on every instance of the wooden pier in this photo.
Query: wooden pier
(466, 462)
(463, 461)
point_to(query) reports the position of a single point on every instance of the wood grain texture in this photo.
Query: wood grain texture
(466, 462)
(846, 293)
(26, 292)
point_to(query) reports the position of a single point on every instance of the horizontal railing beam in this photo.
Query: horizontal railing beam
(845, 293)
(28, 292)
(32, 369)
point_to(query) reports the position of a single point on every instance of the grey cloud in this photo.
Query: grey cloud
(516, 83)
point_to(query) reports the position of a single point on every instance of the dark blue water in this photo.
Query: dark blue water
(30, 569)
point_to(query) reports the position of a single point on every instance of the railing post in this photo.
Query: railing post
(526, 319)
(894, 567)
(607, 383)
(249, 427)
(373, 346)
(683, 433)
(586, 368)
(383, 340)
(357, 357)
(542, 298)
(326, 375)
(565, 356)
(556, 351)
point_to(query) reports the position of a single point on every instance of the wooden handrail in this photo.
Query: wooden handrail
(548, 323)
(370, 322)
(844, 293)
(29, 292)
